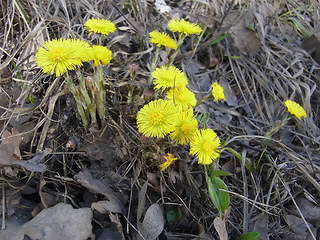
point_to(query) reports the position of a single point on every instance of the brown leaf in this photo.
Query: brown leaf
(59, 222)
(220, 226)
(97, 186)
(153, 223)
(261, 227)
(246, 41)
(6, 154)
(14, 140)
(107, 206)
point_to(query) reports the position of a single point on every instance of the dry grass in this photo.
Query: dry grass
(257, 86)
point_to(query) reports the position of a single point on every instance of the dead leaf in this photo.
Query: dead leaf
(142, 200)
(107, 206)
(298, 226)
(247, 41)
(310, 211)
(6, 154)
(261, 227)
(47, 199)
(153, 223)
(220, 226)
(97, 186)
(12, 138)
(59, 222)
(312, 46)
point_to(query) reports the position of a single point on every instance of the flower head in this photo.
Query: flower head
(217, 92)
(169, 159)
(184, 27)
(162, 39)
(184, 127)
(295, 109)
(204, 145)
(156, 118)
(61, 55)
(168, 78)
(182, 96)
(101, 55)
(101, 26)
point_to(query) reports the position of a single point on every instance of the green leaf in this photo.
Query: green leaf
(173, 216)
(217, 173)
(213, 194)
(249, 236)
(219, 39)
(224, 197)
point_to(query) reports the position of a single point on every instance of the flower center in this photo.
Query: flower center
(206, 146)
(58, 54)
(185, 128)
(157, 117)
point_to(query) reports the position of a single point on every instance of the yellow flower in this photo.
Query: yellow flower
(156, 118)
(169, 159)
(181, 96)
(101, 55)
(184, 127)
(162, 39)
(168, 77)
(204, 145)
(61, 55)
(184, 27)
(217, 92)
(101, 26)
(295, 109)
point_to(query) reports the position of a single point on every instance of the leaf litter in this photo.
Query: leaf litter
(109, 181)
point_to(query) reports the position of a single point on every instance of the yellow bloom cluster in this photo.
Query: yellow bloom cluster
(175, 115)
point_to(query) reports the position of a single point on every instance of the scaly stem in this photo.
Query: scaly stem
(154, 63)
(100, 91)
(176, 51)
(80, 102)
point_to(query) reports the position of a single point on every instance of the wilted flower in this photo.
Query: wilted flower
(169, 159)
(217, 92)
(295, 109)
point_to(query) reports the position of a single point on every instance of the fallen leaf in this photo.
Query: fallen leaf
(59, 222)
(247, 41)
(300, 229)
(220, 226)
(97, 186)
(261, 227)
(13, 138)
(107, 206)
(153, 223)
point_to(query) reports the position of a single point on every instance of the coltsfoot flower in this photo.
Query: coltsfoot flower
(295, 109)
(60, 55)
(182, 96)
(168, 78)
(217, 92)
(169, 159)
(184, 127)
(101, 26)
(162, 39)
(156, 118)
(204, 145)
(101, 55)
(184, 27)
